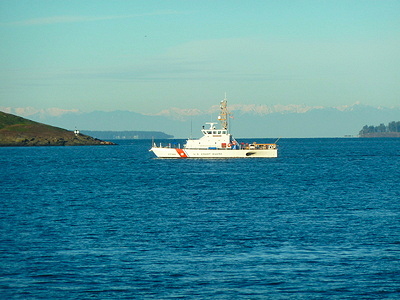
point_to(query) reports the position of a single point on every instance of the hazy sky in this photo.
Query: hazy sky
(146, 56)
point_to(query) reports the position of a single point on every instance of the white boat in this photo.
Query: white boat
(216, 143)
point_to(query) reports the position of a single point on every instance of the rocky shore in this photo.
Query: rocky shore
(380, 134)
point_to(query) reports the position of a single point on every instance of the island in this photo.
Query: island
(128, 135)
(18, 131)
(382, 130)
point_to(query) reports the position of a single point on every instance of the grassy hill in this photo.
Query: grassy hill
(18, 131)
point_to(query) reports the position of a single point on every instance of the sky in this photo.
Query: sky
(146, 56)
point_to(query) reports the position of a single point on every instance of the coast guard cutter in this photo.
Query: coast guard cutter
(216, 143)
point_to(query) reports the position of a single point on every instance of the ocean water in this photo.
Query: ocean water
(321, 221)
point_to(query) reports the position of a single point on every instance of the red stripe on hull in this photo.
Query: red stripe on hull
(181, 153)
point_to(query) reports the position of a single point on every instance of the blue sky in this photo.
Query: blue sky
(146, 56)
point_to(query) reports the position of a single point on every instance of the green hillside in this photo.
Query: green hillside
(18, 131)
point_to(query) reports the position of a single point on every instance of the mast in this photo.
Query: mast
(224, 113)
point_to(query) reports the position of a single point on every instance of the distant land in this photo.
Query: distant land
(18, 131)
(121, 135)
(248, 120)
(382, 130)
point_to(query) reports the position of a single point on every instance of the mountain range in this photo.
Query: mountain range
(246, 120)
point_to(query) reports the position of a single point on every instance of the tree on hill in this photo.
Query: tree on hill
(381, 130)
(394, 126)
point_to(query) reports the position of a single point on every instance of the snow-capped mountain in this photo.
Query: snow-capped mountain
(248, 120)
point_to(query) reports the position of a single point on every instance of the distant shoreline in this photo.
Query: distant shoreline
(380, 135)
(127, 134)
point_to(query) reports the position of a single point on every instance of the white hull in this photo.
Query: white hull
(162, 152)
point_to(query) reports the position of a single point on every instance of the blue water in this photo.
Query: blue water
(321, 221)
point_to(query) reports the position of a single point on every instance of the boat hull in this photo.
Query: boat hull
(161, 152)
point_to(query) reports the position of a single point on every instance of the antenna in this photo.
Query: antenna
(191, 127)
(223, 115)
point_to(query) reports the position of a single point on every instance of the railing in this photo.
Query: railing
(258, 146)
(253, 146)
(175, 146)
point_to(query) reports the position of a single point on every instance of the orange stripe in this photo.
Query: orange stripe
(181, 153)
